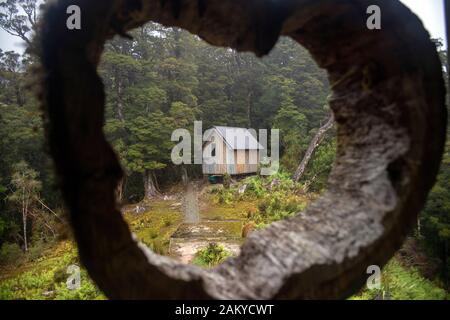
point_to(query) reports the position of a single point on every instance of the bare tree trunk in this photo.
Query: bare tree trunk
(119, 190)
(24, 221)
(315, 142)
(249, 109)
(149, 185)
(177, 38)
(119, 105)
(184, 175)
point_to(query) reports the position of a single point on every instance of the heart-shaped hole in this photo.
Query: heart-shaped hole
(166, 81)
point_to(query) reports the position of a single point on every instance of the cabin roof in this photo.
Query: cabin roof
(238, 138)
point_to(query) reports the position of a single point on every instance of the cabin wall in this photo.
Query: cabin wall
(230, 161)
(246, 161)
(219, 167)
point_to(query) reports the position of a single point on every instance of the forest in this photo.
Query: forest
(159, 80)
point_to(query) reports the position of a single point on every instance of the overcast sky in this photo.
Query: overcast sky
(430, 11)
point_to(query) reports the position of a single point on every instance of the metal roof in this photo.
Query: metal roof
(238, 138)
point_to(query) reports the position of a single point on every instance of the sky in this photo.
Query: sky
(431, 12)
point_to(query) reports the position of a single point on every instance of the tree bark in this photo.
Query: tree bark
(149, 185)
(315, 142)
(392, 141)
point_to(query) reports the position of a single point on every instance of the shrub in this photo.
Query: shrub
(36, 250)
(11, 253)
(226, 181)
(248, 228)
(211, 256)
(252, 212)
(278, 205)
(60, 275)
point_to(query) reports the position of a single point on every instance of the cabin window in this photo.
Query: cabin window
(213, 150)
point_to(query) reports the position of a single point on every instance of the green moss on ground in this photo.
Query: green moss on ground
(222, 211)
(155, 226)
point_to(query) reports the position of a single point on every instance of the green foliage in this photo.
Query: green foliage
(279, 205)
(45, 277)
(3, 227)
(211, 256)
(401, 283)
(150, 144)
(277, 196)
(292, 126)
(25, 182)
(319, 167)
(435, 218)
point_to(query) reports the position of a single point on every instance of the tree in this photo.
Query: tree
(26, 188)
(320, 165)
(315, 142)
(149, 148)
(292, 125)
(19, 18)
(12, 72)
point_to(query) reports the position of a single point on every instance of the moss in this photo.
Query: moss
(156, 224)
(235, 211)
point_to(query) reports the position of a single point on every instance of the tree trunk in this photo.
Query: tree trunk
(119, 190)
(184, 175)
(315, 142)
(155, 180)
(24, 221)
(249, 109)
(119, 103)
(149, 185)
(177, 38)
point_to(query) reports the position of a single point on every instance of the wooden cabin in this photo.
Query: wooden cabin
(230, 150)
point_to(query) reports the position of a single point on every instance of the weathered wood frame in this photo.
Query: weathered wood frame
(388, 102)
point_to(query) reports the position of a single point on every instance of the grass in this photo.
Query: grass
(41, 279)
(44, 278)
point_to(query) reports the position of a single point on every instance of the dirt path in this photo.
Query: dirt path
(190, 205)
(196, 233)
